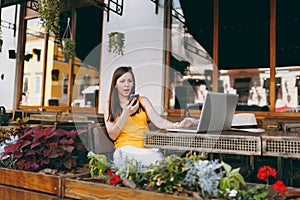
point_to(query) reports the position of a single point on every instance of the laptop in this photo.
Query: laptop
(216, 115)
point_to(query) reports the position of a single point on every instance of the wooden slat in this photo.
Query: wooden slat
(29, 180)
(10, 193)
(77, 189)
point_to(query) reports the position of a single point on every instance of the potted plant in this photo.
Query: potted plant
(40, 157)
(68, 44)
(49, 13)
(116, 43)
(46, 147)
(68, 49)
(9, 138)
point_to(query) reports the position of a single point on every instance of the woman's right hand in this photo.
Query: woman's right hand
(132, 106)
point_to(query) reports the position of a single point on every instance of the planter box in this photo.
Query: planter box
(77, 189)
(29, 180)
(17, 184)
(30, 185)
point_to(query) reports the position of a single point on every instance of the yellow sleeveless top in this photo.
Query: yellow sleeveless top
(133, 131)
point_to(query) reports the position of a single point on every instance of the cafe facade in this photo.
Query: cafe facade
(179, 50)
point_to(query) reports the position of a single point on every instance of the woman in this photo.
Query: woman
(126, 121)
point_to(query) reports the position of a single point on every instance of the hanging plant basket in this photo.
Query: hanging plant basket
(49, 12)
(116, 43)
(68, 44)
(68, 48)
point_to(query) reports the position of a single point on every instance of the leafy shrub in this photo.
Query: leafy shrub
(97, 164)
(49, 11)
(9, 135)
(41, 148)
(230, 184)
(19, 128)
(202, 176)
(133, 171)
(7, 161)
(167, 174)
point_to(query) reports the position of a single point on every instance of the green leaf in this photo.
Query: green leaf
(226, 167)
(235, 171)
(239, 178)
(223, 184)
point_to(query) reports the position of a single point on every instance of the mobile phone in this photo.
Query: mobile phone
(132, 96)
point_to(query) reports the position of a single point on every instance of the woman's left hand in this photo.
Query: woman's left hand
(188, 122)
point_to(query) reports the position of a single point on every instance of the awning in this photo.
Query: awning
(90, 89)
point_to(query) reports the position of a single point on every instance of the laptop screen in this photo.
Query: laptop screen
(217, 112)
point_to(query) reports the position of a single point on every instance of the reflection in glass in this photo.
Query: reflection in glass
(191, 66)
(86, 73)
(86, 87)
(33, 64)
(252, 86)
(287, 56)
(287, 89)
(55, 85)
(56, 75)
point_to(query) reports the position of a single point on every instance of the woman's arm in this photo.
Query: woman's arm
(162, 123)
(114, 128)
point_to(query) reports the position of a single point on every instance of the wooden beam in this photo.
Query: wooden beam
(216, 46)
(272, 54)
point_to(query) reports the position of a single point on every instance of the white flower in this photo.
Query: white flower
(13, 139)
(232, 193)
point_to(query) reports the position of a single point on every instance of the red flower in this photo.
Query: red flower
(266, 171)
(115, 179)
(279, 186)
(109, 172)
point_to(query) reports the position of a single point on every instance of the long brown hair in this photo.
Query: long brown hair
(115, 109)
